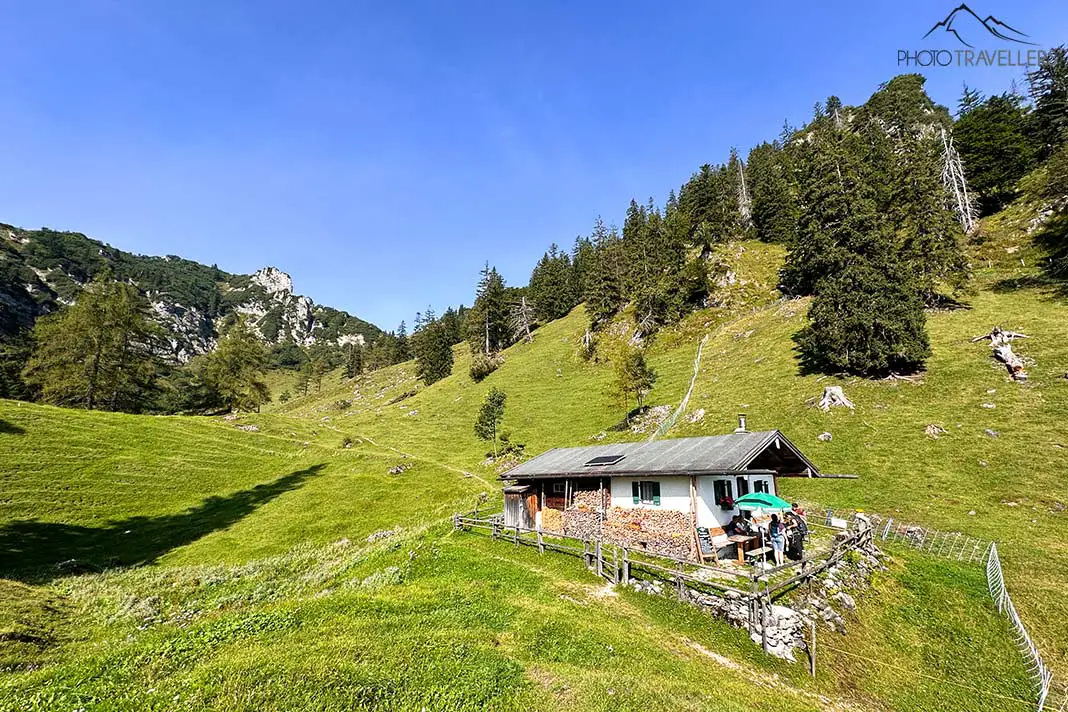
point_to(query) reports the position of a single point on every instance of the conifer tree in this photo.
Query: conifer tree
(1049, 94)
(432, 348)
(605, 280)
(775, 210)
(866, 320)
(98, 353)
(632, 377)
(486, 323)
(353, 361)
(235, 369)
(995, 148)
(490, 415)
(841, 211)
(552, 286)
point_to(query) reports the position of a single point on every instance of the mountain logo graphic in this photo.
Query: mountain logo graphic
(963, 22)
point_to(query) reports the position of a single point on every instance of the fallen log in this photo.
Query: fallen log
(1001, 346)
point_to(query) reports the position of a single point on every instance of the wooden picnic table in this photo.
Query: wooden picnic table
(740, 541)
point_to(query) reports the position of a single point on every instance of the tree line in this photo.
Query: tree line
(873, 204)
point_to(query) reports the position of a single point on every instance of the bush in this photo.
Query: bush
(483, 365)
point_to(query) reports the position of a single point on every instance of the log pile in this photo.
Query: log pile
(586, 499)
(1001, 346)
(582, 523)
(655, 531)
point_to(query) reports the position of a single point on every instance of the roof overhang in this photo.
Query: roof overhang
(587, 475)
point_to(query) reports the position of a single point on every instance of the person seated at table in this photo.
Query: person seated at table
(738, 525)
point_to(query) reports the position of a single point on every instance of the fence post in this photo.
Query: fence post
(763, 626)
(600, 559)
(812, 650)
(456, 521)
(679, 582)
(541, 543)
(626, 566)
(615, 564)
(517, 536)
(886, 529)
(493, 529)
(586, 553)
(752, 608)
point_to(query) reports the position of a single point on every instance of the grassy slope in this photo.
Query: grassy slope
(461, 622)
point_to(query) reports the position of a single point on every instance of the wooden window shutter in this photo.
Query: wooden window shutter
(656, 494)
(636, 491)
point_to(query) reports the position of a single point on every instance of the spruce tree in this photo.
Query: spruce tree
(552, 286)
(866, 320)
(605, 280)
(995, 148)
(1049, 94)
(841, 213)
(775, 210)
(432, 348)
(486, 323)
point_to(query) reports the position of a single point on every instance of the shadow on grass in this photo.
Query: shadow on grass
(7, 428)
(1054, 239)
(36, 552)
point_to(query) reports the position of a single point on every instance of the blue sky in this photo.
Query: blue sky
(381, 153)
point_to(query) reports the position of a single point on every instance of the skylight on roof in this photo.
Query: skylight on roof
(604, 460)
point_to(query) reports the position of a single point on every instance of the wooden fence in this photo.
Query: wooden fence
(621, 564)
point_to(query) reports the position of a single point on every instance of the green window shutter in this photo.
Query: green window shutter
(656, 494)
(636, 492)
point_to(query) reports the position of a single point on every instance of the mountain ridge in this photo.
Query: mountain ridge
(43, 270)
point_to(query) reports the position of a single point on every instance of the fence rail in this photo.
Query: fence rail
(620, 564)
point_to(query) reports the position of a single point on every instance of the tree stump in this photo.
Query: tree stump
(834, 396)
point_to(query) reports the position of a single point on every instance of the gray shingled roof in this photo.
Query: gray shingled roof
(702, 455)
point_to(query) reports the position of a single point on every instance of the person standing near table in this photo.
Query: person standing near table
(777, 533)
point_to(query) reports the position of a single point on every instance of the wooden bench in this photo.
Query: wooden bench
(757, 552)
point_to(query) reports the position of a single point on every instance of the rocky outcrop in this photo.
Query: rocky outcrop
(43, 270)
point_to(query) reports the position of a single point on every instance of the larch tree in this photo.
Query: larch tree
(98, 353)
(235, 369)
(632, 377)
(490, 415)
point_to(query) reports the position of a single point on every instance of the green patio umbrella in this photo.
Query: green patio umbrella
(763, 500)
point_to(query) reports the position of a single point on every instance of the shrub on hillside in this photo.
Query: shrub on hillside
(483, 365)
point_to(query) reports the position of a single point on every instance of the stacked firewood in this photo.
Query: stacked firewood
(656, 531)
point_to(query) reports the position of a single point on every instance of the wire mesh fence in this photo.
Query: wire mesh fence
(948, 545)
(961, 547)
(1043, 676)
